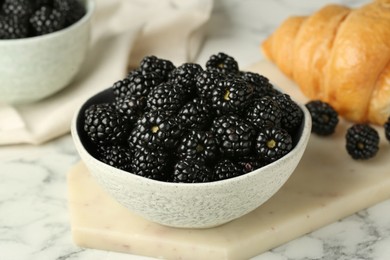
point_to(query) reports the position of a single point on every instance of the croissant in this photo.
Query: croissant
(339, 55)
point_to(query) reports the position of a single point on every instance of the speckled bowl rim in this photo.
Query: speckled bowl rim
(90, 6)
(305, 130)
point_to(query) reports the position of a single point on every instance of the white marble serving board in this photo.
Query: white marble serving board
(326, 186)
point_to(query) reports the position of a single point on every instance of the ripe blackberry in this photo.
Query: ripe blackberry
(12, 27)
(223, 63)
(117, 156)
(155, 129)
(387, 129)
(121, 88)
(166, 96)
(324, 117)
(150, 163)
(153, 64)
(73, 10)
(231, 96)
(20, 8)
(261, 85)
(292, 114)
(47, 20)
(206, 83)
(362, 141)
(141, 82)
(195, 114)
(130, 108)
(104, 125)
(264, 113)
(249, 163)
(226, 169)
(191, 170)
(200, 145)
(235, 135)
(185, 75)
(273, 143)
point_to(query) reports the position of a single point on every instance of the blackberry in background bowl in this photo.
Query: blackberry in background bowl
(42, 46)
(196, 175)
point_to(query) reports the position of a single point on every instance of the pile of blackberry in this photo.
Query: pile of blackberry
(361, 139)
(191, 124)
(28, 18)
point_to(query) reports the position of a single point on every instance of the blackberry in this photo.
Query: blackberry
(191, 170)
(130, 108)
(141, 82)
(264, 113)
(324, 117)
(226, 169)
(20, 8)
(292, 114)
(362, 141)
(235, 135)
(155, 129)
(200, 145)
(249, 163)
(387, 129)
(206, 83)
(161, 66)
(195, 114)
(12, 27)
(121, 88)
(261, 85)
(185, 75)
(273, 143)
(150, 163)
(104, 125)
(231, 96)
(73, 10)
(47, 20)
(166, 96)
(223, 63)
(117, 156)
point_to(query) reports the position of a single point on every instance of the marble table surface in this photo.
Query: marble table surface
(34, 219)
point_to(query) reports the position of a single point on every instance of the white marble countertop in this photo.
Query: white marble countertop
(34, 219)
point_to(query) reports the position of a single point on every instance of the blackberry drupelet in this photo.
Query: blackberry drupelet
(185, 75)
(231, 96)
(191, 170)
(226, 169)
(141, 82)
(150, 163)
(166, 96)
(261, 85)
(264, 113)
(273, 143)
(19, 8)
(11, 27)
(199, 145)
(117, 156)
(160, 66)
(235, 136)
(73, 10)
(292, 114)
(104, 125)
(196, 114)
(223, 63)
(387, 129)
(130, 108)
(249, 163)
(155, 129)
(206, 83)
(362, 141)
(47, 20)
(324, 117)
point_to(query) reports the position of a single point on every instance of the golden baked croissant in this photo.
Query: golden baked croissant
(341, 56)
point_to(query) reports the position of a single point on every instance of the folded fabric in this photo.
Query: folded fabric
(123, 32)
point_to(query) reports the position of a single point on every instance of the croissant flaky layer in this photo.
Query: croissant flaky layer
(339, 55)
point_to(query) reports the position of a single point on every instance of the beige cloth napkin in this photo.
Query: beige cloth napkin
(123, 32)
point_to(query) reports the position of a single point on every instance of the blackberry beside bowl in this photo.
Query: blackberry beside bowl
(188, 205)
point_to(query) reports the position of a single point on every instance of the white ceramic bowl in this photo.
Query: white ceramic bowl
(37, 67)
(189, 205)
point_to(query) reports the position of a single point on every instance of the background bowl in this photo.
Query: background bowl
(189, 205)
(37, 67)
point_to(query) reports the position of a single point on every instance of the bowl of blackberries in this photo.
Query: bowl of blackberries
(43, 44)
(191, 147)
